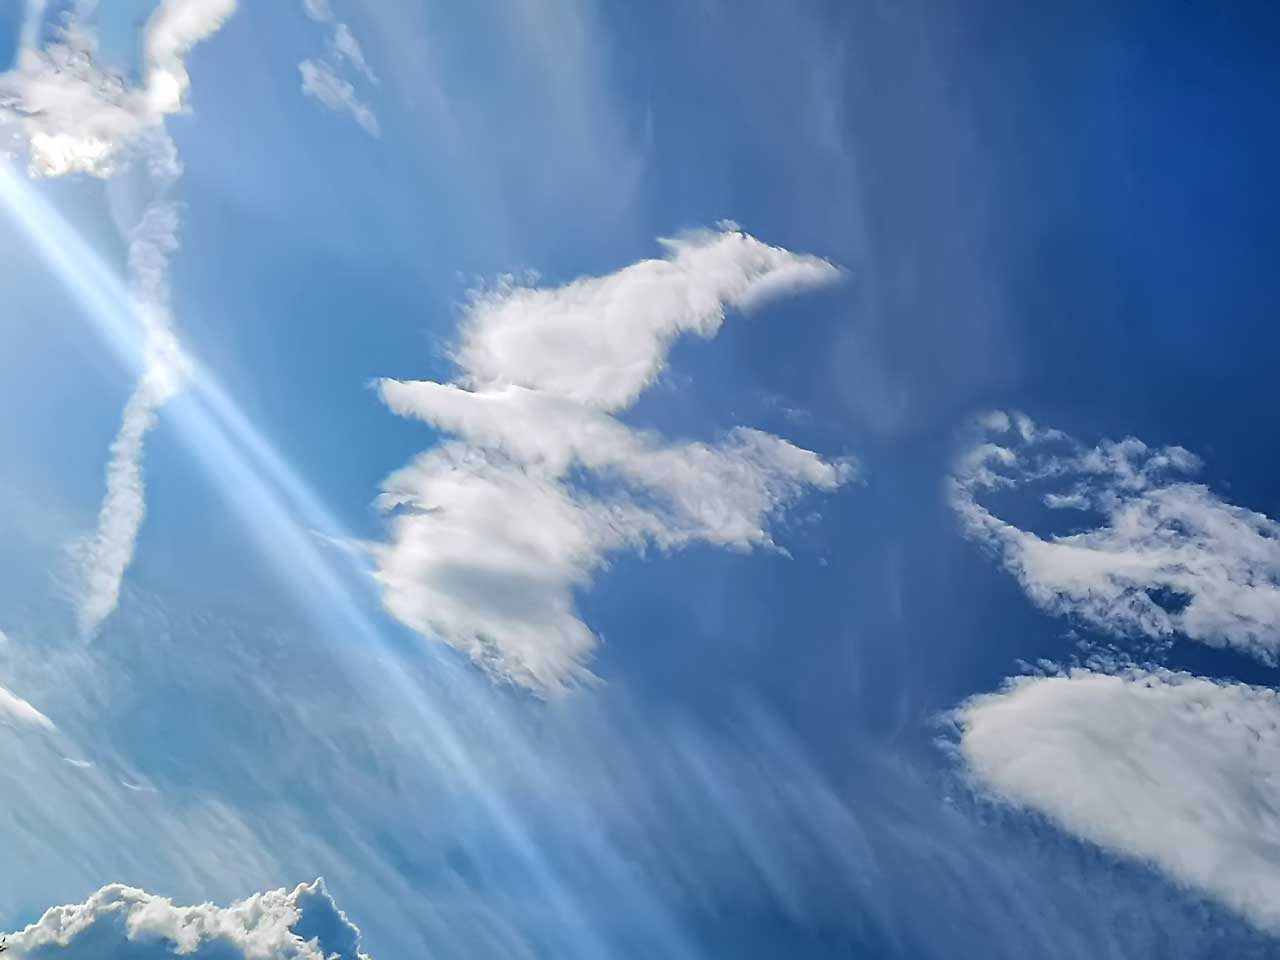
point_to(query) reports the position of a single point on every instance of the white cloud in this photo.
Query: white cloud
(601, 341)
(73, 116)
(109, 552)
(1167, 557)
(1179, 772)
(266, 926)
(490, 535)
(13, 707)
(320, 81)
(176, 27)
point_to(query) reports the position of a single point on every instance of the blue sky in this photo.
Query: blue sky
(879, 565)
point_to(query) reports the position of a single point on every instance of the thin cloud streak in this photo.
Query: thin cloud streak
(135, 922)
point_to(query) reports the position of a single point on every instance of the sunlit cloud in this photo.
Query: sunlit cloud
(1159, 555)
(299, 924)
(1175, 771)
(1166, 768)
(490, 535)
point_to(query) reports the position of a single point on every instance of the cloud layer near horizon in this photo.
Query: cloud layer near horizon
(1165, 556)
(1176, 771)
(490, 536)
(299, 924)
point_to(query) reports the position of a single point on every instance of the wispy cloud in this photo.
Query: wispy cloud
(1166, 557)
(299, 924)
(1176, 771)
(72, 116)
(490, 536)
(321, 82)
(322, 78)
(348, 48)
(108, 553)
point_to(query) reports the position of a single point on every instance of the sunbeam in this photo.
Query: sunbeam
(291, 525)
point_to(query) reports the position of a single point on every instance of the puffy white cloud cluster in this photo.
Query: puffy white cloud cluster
(322, 78)
(75, 116)
(1166, 556)
(299, 924)
(1179, 772)
(490, 533)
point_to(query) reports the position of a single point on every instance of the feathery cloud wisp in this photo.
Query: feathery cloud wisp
(321, 82)
(322, 79)
(489, 533)
(1168, 557)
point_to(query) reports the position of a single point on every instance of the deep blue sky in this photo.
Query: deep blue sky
(1067, 209)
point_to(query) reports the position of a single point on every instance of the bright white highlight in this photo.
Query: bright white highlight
(1175, 771)
(1166, 556)
(176, 27)
(490, 533)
